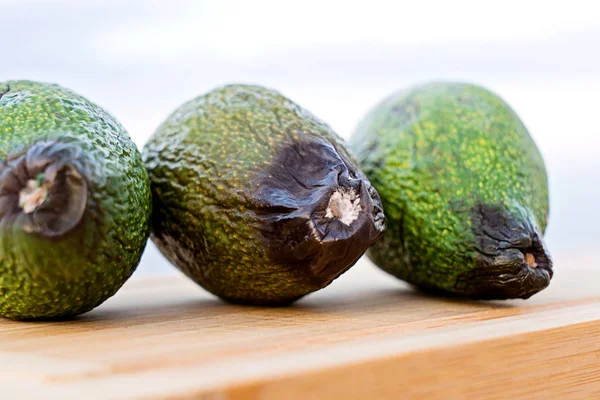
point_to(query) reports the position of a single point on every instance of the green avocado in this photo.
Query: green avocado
(464, 189)
(75, 203)
(255, 199)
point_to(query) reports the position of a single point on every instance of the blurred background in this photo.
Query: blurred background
(142, 59)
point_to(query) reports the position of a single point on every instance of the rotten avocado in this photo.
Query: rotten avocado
(255, 199)
(464, 189)
(75, 203)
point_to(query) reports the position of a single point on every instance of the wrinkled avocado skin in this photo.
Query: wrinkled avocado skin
(236, 174)
(62, 276)
(464, 189)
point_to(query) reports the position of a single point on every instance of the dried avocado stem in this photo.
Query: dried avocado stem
(44, 190)
(530, 260)
(344, 205)
(34, 194)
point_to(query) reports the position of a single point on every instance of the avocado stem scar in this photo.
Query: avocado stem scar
(530, 260)
(344, 205)
(33, 195)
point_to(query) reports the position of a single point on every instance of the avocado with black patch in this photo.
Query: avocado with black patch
(75, 203)
(255, 199)
(464, 190)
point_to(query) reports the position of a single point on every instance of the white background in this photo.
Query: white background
(142, 59)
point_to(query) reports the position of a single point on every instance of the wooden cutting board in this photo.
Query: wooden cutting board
(367, 336)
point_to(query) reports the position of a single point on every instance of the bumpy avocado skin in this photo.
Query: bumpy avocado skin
(48, 277)
(464, 189)
(235, 174)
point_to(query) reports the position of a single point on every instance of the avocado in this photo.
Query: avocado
(464, 189)
(75, 203)
(255, 199)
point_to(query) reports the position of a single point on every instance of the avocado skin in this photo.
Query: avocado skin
(239, 176)
(45, 276)
(464, 189)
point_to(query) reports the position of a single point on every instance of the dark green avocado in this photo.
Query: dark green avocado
(75, 203)
(464, 190)
(255, 199)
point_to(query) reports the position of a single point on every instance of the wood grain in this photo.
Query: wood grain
(366, 336)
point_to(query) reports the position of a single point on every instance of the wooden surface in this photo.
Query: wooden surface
(367, 336)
